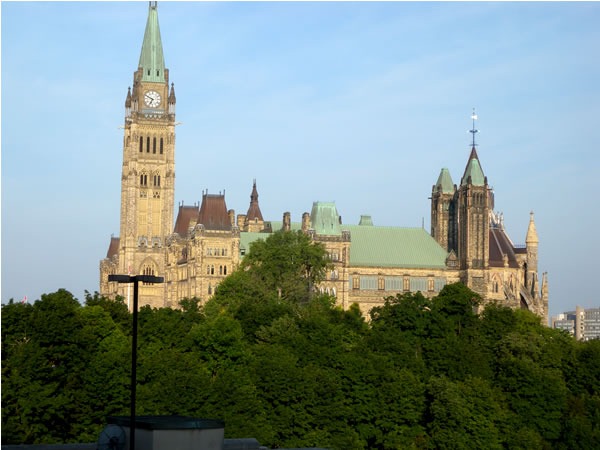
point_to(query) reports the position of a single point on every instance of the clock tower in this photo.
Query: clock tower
(148, 172)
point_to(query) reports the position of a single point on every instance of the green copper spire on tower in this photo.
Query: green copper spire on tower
(152, 61)
(473, 171)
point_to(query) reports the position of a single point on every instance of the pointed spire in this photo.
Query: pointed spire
(254, 209)
(128, 99)
(172, 100)
(172, 95)
(473, 171)
(152, 62)
(532, 236)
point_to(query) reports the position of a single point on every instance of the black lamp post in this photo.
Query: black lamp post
(135, 279)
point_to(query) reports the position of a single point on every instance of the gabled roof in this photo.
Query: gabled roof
(152, 61)
(473, 170)
(445, 182)
(184, 217)
(325, 219)
(213, 213)
(394, 247)
(254, 209)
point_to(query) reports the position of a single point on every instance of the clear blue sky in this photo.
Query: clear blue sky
(357, 103)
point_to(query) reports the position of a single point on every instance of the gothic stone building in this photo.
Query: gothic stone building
(468, 242)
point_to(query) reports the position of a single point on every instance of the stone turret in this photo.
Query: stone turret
(443, 221)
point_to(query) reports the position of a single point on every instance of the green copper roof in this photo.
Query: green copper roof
(246, 238)
(394, 247)
(152, 61)
(325, 219)
(372, 246)
(474, 171)
(445, 182)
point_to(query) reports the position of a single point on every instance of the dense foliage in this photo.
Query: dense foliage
(287, 367)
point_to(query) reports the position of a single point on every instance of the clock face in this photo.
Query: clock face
(152, 99)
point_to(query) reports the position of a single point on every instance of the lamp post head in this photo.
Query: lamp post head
(134, 278)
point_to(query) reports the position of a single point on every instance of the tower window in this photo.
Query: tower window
(141, 144)
(148, 270)
(157, 180)
(154, 145)
(161, 146)
(148, 144)
(144, 179)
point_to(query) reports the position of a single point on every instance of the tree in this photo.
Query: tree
(463, 415)
(288, 263)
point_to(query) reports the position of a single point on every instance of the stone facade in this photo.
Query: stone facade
(467, 243)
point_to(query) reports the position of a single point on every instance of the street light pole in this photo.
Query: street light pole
(135, 279)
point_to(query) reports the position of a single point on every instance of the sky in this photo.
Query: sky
(358, 103)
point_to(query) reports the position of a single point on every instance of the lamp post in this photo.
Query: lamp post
(135, 279)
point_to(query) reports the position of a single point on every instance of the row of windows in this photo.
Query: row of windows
(413, 284)
(210, 270)
(216, 252)
(144, 194)
(144, 180)
(328, 291)
(152, 141)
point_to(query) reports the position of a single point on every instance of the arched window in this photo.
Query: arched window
(212, 269)
(153, 145)
(148, 144)
(208, 270)
(148, 269)
(209, 289)
(224, 270)
(161, 146)
(141, 144)
(220, 270)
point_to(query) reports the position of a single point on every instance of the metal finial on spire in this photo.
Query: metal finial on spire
(473, 131)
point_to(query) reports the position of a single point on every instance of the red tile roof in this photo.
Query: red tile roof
(113, 247)
(184, 217)
(213, 213)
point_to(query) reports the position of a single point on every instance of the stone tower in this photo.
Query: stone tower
(474, 201)
(148, 172)
(531, 267)
(443, 211)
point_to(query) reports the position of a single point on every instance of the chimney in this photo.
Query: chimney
(305, 222)
(287, 221)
